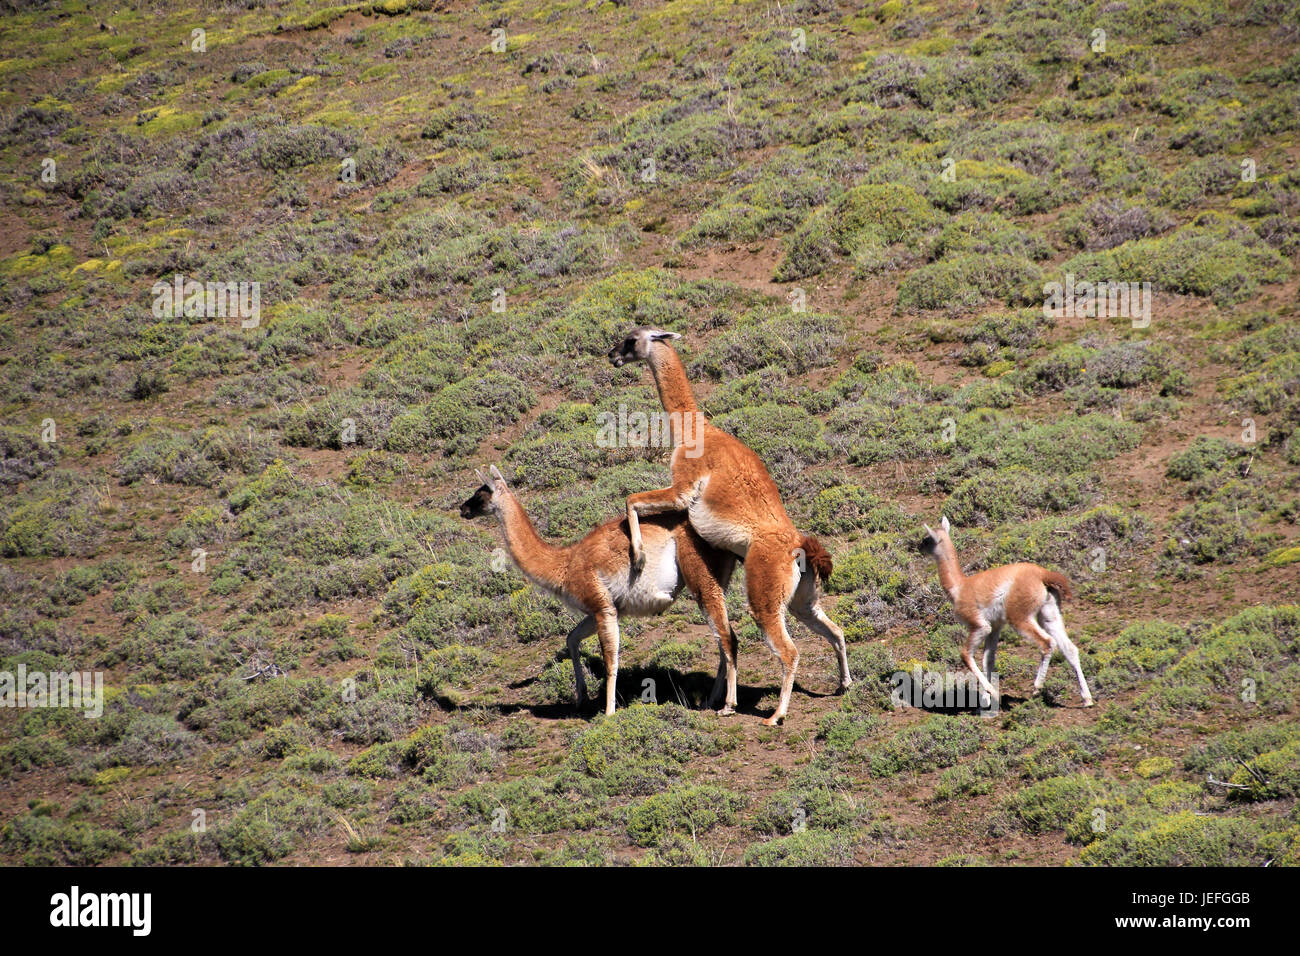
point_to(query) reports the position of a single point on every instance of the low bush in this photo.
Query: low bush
(692, 810)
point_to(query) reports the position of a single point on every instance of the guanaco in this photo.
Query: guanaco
(594, 577)
(734, 504)
(1025, 596)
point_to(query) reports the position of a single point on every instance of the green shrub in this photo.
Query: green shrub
(667, 734)
(1173, 795)
(1139, 651)
(690, 810)
(806, 848)
(1130, 364)
(865, 215)
(890, 413)
(793, 341)
(1222, 755)
(1066, 365)
(1052, 803)
(941, 83)
(641, 748)
(781, 435)
(788, 186)
(873, 666)
(461, 415)
(967, 779)
(842, 730)
(415, 753)
(456, 178)
(455, 125)
(1154, 767)
(986, 234)
(603, 310)
(287, 147)
(1214, 530)
(173, 848)
(25, 456)
(54, 516)
(936, 743)
(1183, 839)
(1007, 334)
(965, 281)
(1193, 183)
(851, 507)
(1203, 457)
(1071, 541)
(580, 851)
(200, 458)
(450, 666)
(28, 753)
(1164, 21)
(768, 59)
(816, 800)
(877, 565)
(1064, 447)
(1111, 221)
(1270, 776)
(41, 840)
(269, 828)
(695, 136)
(1215, 262)
(1259, 645)
(1014, 493)
(532, 805)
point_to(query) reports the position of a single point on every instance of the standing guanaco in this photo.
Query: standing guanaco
(594, 577)
(1025, 596)
(734, 504)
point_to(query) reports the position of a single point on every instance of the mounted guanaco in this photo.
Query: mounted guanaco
(734, 504)
(594, 577)
(1024, 596)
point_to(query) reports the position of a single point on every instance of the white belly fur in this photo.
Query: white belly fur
(644, 595)
(721, 534)
(996, 612)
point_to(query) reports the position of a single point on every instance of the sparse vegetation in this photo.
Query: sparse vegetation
(247, 524)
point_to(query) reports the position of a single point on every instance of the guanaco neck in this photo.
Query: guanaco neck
(674, 390)
(540, 560)
(950, 576)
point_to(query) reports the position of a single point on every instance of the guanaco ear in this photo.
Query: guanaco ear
(658, 335)
(495, 473)
(928, 529)
(944, 524)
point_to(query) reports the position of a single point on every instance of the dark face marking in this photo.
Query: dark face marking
(478, 504)
(624, 352)
(928, 545)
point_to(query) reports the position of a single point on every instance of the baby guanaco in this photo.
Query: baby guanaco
(1024, 596)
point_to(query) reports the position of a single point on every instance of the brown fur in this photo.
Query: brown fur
(1024, 596)
(1059, 584)
(734, 504)
(819, 559)
(574, 573)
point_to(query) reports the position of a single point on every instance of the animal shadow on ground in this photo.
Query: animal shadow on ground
(691, 690)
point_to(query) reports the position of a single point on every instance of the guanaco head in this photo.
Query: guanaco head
(483, 500)
(935, 542)
(636, 345)
(479, 503)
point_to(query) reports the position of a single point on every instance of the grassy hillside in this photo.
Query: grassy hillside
(851, 213)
